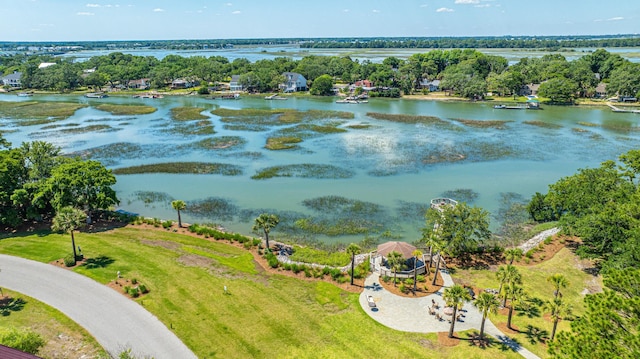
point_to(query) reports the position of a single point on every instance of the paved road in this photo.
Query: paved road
(115, 321)
(411, 314)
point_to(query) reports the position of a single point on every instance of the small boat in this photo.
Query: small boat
(148, 95)
(234, 96)
(96, 95)
(24, 94)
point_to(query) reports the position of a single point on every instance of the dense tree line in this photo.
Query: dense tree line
(504, 42)
(36, 181)
(464, 72)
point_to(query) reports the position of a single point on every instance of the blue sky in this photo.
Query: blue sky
(68, 20)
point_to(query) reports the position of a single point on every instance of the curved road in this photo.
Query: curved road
(116, 322)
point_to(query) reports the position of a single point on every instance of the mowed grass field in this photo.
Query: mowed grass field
(534, 282)
(262, 316)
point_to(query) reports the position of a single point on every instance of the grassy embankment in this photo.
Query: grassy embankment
(263, 316)
(62, 336)
(37, 113)
(130, 110)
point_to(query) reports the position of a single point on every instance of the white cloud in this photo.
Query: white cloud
(93, 5)
(345, 10)
(158, 10)
(376, 11)
(617, 18)
(236, 12)
(84, 13)
(229, 4)
(482, 5)
(424, 5)
(444, 9)
(467, 2)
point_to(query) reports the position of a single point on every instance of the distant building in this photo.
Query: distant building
(432, 86)
(141, 84)
(12, 80)
(601, 90)
(293, 82)
(183, 84)
(235, 85)
(529, 90)
(366, 85)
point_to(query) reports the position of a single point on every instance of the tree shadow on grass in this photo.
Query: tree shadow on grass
(8, 305)
(98, 262)
(502, 343)
(530, 309)
(536, 335)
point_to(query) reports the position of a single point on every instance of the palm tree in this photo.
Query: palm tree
(558, 281)
(438, 245)
(486, 303)
(512, 254)
(396, 261)
(179, 205)
(507, 275)
(517, 296)
(416, 253)
(67, 220)
(266, 222)
(558, 310)
(430, 239)
(353, 249)
(454, 297)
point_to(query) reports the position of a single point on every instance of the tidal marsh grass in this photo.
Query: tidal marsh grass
(220, 143)
(48, 111)
(466, 195)
(543, 124)
(188, 113)
(434, 121)
(282, 143)
(127, 150)
(495, 124)
(119, 110)
(224, 169)
(151, 197)
(273, 117)
(306, 170)
(202, 127)
(212, 208)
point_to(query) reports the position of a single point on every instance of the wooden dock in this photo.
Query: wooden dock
(617, 109)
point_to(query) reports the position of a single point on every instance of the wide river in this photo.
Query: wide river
(397, 168)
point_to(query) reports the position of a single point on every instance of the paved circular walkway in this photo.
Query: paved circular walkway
(412, 314)
(116, 322)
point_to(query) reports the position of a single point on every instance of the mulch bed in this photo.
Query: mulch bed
(445, 341)
(421, 292)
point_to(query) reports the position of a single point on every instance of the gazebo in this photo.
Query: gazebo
(404, 248)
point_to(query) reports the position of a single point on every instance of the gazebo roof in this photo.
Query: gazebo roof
(404, 248)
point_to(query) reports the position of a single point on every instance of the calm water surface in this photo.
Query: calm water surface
(394, 163)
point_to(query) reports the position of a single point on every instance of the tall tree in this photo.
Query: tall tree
(396, 262)
(353, 249)
(513, 254)
(266, 222)
(609, 326)
(179, 205)
(416, 253)
(455, 296)
(558, 310)
(558, 281)
(517, 296)
(507, 275)
(486, 303)
(67, 220)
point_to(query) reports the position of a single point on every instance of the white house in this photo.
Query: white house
(235, 85)
(12, 80)
(293, 82)
(432, 86)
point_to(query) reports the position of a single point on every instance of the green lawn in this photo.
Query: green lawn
(534, 279)
(263, 316)
(61, 335)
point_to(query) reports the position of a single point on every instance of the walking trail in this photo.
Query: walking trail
(412, 314)
(116, 322)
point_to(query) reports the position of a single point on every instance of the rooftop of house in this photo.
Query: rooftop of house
(14, 76)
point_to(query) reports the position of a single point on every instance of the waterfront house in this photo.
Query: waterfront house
(235, 85)
(183, 84)
(293, 82)
(529, 90)
(12, 80)
(140, 84)
(365, 85)
(432, 86)
(601, 90)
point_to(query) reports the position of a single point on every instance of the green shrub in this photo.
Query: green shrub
(326, 271)
(408, 282)
(134, 281)
(286, 266)
(318, 273)
(247, 245)
(167, 224)
(386, 279)
(126, 289)
(204, 90)
(69, 261)
(256, 242)
(143, 289)
(403, 288)
(336, 273)
(562, 241)
(421, 278)
(341, 279)
(548, 240)
(134, 292)
(529, 253)
(307, 272)
(272, 260)
(24, 340)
